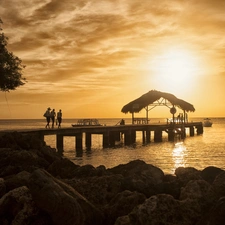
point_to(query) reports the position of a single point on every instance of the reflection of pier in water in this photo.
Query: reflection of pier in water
(112, 134)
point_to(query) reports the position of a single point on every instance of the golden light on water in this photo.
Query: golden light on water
(178, 155)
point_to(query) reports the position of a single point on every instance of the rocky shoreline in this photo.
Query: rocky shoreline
(40, 187)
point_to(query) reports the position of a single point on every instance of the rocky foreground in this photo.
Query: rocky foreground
(39, 187)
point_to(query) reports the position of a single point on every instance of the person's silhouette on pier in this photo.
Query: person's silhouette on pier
(47, 115)
(122, 122)
(53, 117)
(59, 118)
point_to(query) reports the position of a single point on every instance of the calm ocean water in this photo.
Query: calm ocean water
(198, 151)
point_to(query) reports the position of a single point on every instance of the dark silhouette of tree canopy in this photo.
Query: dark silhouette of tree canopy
(10, 66)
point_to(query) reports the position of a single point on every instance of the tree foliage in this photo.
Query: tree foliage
(11, 66)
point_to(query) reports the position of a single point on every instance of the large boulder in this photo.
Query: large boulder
(216, 216)
(63, 168)
(171, 186)
(89, 171)
(162, 209)
(210, 173)
(185, 174)
(59, 200)
(15, 161)
(2, 187)
(20, 152)
(98, 189)
(139, 167)
(47, 153)
(140, 177)
(200, 192)
(122, 204)
(17, 180)
(218, 185)
(17, 207)
(195, 189)
(18, 141)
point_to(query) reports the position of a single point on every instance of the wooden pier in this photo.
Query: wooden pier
(112, 134)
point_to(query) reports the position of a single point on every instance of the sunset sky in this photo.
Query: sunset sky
(92, 57)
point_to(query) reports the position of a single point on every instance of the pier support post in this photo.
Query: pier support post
(171, 135)
(143, 136)
(41, 136)
(183, 133)
(133, 136)
(79, 142)
(158, 135)
(199, 129)
(88, 140)
(148, 136)
(59, 142)
(105, 139)
(117, 136)
(192, 131)
(127, 137)
(112, 137)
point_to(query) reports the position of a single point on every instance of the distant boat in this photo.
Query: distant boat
(207, 122)
(87, 122)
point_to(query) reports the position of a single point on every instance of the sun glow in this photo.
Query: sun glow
(176, 69)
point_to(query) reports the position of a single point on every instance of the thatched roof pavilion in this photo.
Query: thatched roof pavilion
(152, 99)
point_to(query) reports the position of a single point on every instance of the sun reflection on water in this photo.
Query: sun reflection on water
(178, 155)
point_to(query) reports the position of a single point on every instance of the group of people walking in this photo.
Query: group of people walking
(52, 116)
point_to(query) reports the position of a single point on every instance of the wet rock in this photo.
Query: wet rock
(140, 184)
(16, 161)
(19, 141)
(64, 205)
(2, 187)
(185, 174)
(98, 190)
(17, 180)
(101, 170)
(122, 204)
(47, 153)
(195, 189)
(140, 177)
(17, 207)
(89, 171)
(216, 216)
(24, 152)
(139, 167)
(218, 185)
(210, 173)
(162, 209)
(171, 186)
(169, 178)
(63, 168)
(200, 192)
(6, 167)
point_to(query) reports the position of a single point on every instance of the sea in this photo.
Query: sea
(200, 151)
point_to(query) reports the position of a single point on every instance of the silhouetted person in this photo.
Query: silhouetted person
(48, 117)
(122, 122)
(53, 117)
(59, 118)
(178, 118)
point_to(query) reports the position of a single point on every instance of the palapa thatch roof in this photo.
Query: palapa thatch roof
(149, 98)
